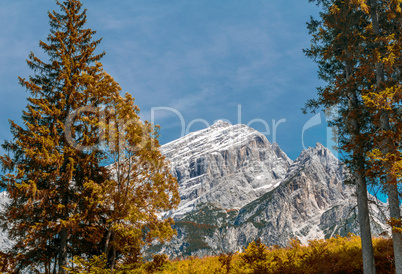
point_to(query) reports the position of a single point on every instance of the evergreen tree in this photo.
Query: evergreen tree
(384, 97)
(374, 72)
(49, 178)
(64, 202)
(338, 46)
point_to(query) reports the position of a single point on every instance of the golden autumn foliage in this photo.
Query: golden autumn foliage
(339, 48)
(140, 186)
(64, 200)
(358, 47)
(47, 179)
(334, 255)
(384, 96)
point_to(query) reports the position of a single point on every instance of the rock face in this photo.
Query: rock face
(235, 187)
(228, 166)
(5, 242)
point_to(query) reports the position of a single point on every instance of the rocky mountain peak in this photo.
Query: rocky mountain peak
(320, 154)
(227, 165)
(220, 124)
(218, 137)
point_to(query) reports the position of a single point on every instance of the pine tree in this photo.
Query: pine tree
(384, 97)
(58, 187)
(49, 178)
(337, 47)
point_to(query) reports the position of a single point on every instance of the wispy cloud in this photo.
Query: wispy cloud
(202, 58)
(181, 105)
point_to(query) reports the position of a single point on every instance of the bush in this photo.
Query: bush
(335, 255)
(256, 256)
(94, 265)
(157, 263)
(225, 260)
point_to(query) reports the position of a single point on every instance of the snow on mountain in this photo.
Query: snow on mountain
(227, 165)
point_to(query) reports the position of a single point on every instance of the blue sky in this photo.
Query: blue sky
(202, 58)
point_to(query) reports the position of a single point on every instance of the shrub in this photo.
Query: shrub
(334, 255)
(256, 256)
(225, 260)
(157, 263)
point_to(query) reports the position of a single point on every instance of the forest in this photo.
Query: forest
(69, 212)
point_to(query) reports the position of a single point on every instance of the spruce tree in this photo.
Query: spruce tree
(59, 190)
(337, 47)
(374, 72)
(49, 178)
(384, 97)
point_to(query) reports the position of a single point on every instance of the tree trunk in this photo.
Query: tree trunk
(113, 256)
(361, 191)
(55, 265)
(107, 241)
(364, 222)
(394, 210)
(393, 198)
(63, 235)
(63, 250)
